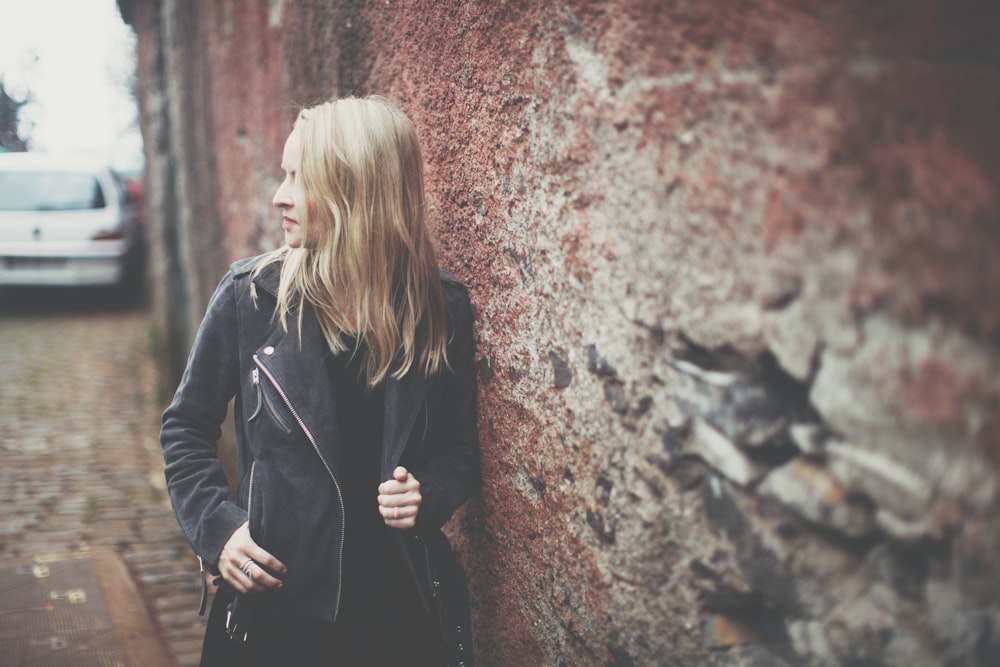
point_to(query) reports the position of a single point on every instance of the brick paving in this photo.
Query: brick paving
(80, 464)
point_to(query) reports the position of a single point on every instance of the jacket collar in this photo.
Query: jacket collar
(268, 278)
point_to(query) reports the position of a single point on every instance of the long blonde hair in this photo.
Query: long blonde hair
(361, 173)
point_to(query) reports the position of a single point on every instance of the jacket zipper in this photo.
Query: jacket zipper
(253, 466)
(431, 579)
(336, 484)
(427, 422)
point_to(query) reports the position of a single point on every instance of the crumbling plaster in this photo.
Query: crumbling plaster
(734, 269)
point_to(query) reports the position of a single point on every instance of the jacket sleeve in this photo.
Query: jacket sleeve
(452, 474)
(191, 428)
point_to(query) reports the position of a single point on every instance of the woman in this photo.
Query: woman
(350, 357)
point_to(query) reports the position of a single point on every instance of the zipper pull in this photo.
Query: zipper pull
(255, 381)
(204, 588)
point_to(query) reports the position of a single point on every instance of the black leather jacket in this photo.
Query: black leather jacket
(289, 456)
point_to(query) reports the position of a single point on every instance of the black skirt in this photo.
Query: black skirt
(373, 639)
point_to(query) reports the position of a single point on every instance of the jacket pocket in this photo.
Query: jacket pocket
(266, 404)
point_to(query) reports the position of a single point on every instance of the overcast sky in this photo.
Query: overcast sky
(75, 58)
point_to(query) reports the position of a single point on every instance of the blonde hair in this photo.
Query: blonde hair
(361, 173)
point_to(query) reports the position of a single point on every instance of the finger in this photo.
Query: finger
(266, 559)
(392, 486)
(259, 568)
(249, 576)
(236, 578)
(400, 474)
(411, 498)
(397, 512)
(261, 578)
(407, 517)
(246, 566)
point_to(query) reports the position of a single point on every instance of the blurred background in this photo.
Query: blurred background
(69, 69)
(93, 570)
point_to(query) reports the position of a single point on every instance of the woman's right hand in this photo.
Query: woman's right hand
(242, 564)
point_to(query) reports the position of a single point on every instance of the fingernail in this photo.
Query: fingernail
(280, 584)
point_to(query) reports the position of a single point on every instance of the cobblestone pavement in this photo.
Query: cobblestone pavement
(81, 468)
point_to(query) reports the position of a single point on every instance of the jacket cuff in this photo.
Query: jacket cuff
(217, 528)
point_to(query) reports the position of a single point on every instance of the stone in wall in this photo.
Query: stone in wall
(734, 266)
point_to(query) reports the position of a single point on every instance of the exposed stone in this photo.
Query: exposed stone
(809, 638)
(763, 571)
(604, 486)
(615, 395)
(793, 345)
(809, 491)
(809, 438)
(903, 529)
(604, 528)
(893, 487)
(720, 453)
(750, 407)
(957, 625)
(597, 364)
(562, 375)
(688, 474)
(725, 632)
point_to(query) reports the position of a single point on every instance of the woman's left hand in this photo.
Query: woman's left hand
(399, 499)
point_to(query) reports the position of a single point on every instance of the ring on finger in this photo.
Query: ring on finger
(397, 513)
(245, 567)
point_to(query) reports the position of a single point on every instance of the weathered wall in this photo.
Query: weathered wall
(735, 269)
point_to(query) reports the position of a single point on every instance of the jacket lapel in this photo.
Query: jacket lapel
(300, 371)
(403, 400)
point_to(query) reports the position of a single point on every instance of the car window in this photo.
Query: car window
(49, 191)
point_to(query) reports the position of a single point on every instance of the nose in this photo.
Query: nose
(282, 197)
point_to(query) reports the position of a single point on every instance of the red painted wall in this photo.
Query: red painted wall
(734, 265)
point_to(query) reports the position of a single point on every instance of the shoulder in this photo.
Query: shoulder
(264, 270)
(456, 296)
(244, 267)
(456, 300)
(452, 287)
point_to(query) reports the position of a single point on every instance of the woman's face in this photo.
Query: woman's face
(290, 197)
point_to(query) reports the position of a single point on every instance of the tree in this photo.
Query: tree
(9, 111)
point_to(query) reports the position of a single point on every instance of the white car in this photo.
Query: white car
(66, 221)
